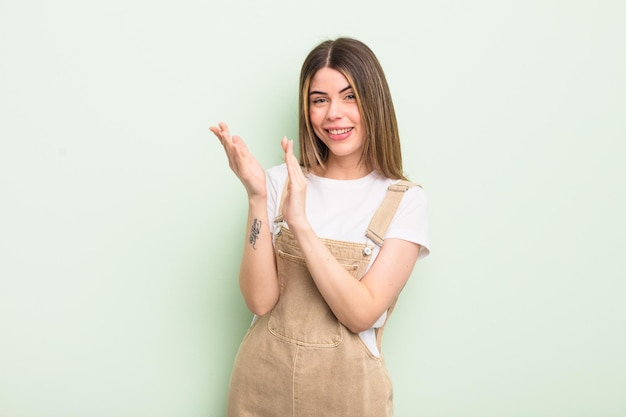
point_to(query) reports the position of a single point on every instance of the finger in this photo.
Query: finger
(216, 131)
(288, 149)
(222, 132)
(224, 128)
(294, 159)
(293, 166)
(284, 143)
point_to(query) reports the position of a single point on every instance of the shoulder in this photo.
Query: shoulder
(416, 194)
(414, 203)
(411, 219)
(413, 193)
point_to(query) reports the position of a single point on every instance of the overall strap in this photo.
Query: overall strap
(378, 227)
(387, 209)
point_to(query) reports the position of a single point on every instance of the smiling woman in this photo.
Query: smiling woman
(333, 240)
(351, 65)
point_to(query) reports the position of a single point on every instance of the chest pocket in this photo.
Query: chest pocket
(301, 315)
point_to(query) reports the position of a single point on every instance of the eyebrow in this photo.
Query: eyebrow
(321, 92)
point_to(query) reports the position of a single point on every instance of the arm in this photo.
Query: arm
(258, 278)
(356, 304)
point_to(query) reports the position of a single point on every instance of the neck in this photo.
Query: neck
(343, 171)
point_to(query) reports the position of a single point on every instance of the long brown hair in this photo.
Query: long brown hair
(359, 65)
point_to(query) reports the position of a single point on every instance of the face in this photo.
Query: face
(335, 116)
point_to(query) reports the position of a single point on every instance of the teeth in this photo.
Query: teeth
(339, 131)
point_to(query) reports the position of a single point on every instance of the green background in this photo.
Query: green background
(121, 226)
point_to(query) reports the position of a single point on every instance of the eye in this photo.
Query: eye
(351, 97)
(318, 100)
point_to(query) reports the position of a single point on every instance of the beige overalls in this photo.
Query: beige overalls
(299, 360)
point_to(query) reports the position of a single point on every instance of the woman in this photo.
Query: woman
(332, 241)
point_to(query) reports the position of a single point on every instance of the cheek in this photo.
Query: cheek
(355, 115)
(315, 116)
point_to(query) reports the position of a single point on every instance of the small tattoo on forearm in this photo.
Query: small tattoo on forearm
(254, 232)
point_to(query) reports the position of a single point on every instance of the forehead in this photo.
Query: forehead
(328, 80)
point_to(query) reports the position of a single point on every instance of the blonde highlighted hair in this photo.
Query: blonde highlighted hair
(359, 65)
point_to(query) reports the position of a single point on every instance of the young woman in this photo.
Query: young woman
(332, 241)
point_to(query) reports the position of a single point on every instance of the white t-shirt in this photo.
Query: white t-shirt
(343, 209)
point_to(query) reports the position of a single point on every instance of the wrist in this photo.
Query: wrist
(257, 201)
(300, 227)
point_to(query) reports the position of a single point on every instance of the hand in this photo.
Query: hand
(294, 207)
(243, 164)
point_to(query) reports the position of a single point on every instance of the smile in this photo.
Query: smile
(339, 131)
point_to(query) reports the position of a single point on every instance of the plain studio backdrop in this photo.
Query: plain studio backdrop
(121, 225)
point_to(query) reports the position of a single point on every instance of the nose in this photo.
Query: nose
(335, 110)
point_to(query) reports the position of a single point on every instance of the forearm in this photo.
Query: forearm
(257, 275)
(258, 279)
(353, 303)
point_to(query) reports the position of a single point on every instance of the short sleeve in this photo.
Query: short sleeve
(411, 220)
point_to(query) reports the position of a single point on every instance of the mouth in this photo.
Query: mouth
(339, 131)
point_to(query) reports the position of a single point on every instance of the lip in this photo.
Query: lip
(340, 133)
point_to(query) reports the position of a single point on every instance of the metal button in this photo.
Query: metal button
(367, 251)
